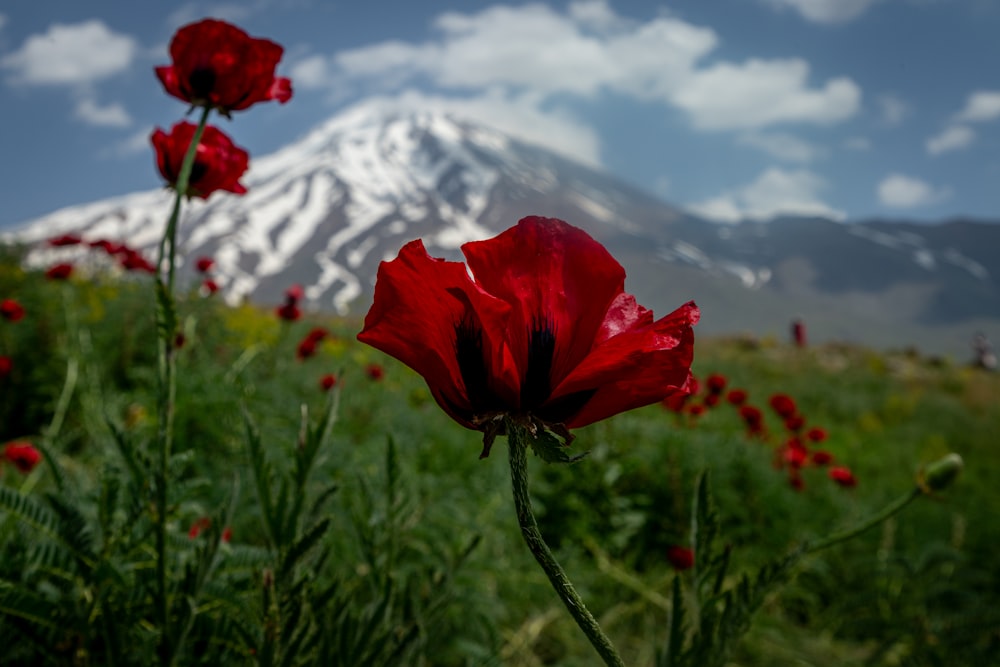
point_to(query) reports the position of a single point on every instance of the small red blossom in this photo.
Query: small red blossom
(218, 162)
(59, 271)
(696, 409)
(317, 334)
(328, 382)
(199, 525)
(816, 434)
(711, 400)
(217, 65)
(795, 480)
(6, 366)
(107, 246)
(536, 326)
(783, 405)
(294, 294)
(843, 476)
(681, 558)
(752, 417)
(676, 401)
(716, 384)
(204, 264)
(795, 454)
(209, 287)
(179, 340)
(736, 396)
(132, 260)
(375, 372)
(22, 455)
(795, 423)
(821, 457)
(306, 349)
(11, 310)
(227, 534)
(288, 312)
(64, 240)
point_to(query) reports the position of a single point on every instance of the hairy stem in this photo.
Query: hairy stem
(517, 440)
(166, 397)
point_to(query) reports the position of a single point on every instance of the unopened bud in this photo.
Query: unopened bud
(939, 475)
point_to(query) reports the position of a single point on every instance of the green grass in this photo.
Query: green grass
(922, 589)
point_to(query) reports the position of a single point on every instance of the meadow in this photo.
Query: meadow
(355, 524)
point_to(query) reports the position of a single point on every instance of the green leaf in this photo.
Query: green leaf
(549, 448)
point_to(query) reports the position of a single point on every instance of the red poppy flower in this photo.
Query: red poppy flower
(294, 294)
(716, 383)
(203, 523)
(306, 349)
(59, 271)
(676, 401)
(375, 372)
(317, 334)
(209, 287)
(132, 260)
(696, 409)
(795, 454)
(783, 405)
(736, 396)
(288, 312)
(816, 434)
(64, 240)
(11, 310)
(215, 64)
(6, 366)
(227, 534)
(543, 331)
(752, 417)
(821, 457)
(843, 476)
(328, 382)
(204, 264)
(681, 558)
(795, 423)
(218, 162)
(711, 400)
(23, 455)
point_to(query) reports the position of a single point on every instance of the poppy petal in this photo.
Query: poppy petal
(554, 275)
(420, 302)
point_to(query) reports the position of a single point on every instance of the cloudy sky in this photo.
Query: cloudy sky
(851, 109)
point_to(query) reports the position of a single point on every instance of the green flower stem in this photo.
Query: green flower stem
(517, 440)
(890, 510)
(167, 393)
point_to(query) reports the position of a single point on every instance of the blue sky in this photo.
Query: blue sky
(731, 108)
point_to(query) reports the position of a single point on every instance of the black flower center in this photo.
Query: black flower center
(198, 170)
(472, 365)
(202, 82)
(537, 382)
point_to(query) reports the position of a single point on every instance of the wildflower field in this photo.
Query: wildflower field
(183, 482)
(419, 561)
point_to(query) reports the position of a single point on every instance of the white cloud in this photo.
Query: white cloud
(900, 191)
(952, 138)
(782, 146)
(112, 115)
(77, 54)
(311, 73)
(893, 109)
(589, 50)
(775, 192)
(981, 106)
(825, 11)
(858, 144)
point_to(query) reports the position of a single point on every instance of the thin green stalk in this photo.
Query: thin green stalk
(166, 398)
(890, 510)
(517, 441)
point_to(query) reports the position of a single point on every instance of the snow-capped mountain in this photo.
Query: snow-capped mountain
(325, 210)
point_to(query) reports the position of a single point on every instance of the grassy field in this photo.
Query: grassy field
(416, 557)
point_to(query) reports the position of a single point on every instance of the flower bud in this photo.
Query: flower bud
(939, 475)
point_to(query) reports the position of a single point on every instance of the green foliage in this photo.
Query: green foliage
(365, 530)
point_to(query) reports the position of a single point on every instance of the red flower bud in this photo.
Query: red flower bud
(716, 383)
(22, 455)
(11, 310)
(204, 264)
(843, 476)
(375, 372)
(328, 382)
(681, 558)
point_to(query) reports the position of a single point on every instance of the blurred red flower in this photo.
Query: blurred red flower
(681, 558)
(542, 329)
(843, 476)
(716, 383)
(737, 396)
(288, 312)
(294, 294)
(227, 534)
(711, 400)
(816, 434)
(375, 372)
(200, 524)
(22, 455)
(210, 287)
(795, 423)
(753, 418)
(132, 260)
(11, 310)
(822, 457)
(217, 65)
(328, 382)
(6, 366)
(783, 405)
(64, 240)
(218, 162)
(306, 348)
(696, 409)
(59, 271)
(204, 264)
